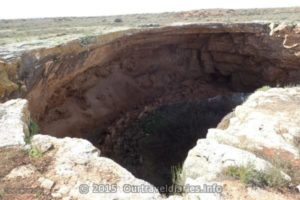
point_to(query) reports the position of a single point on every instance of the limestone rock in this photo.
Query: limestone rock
(298, 188)
(14, 120)
(42, 143)
(77, 164)
(208, 159)
(267, 120)
(46, 183)
(22, 171)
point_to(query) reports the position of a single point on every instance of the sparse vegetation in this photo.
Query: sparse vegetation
(33, 127)
(248, 175)
(33, 130)
(118, 20)
(12, 158)
(264, 88)
(286, 166)
(35, 152)
(177, 176)
(2, 193)
(85, 41)
(177, 179)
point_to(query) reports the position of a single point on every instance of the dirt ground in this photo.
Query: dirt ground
(21, 188)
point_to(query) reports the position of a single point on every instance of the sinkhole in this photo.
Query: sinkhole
(156, 143)
(145, 97)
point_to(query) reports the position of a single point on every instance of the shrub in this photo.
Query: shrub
(33, 127)
(118, 20)
(272, 177)
(33, 130)
(285, 165)
(85, 41)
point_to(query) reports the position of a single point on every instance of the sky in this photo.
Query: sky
(12, 9)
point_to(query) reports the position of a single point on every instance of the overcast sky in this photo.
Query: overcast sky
(59, 8)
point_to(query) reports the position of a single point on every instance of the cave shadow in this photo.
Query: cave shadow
(153, 145)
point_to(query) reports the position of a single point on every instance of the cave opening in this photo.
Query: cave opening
(155, 144)
(145, 98)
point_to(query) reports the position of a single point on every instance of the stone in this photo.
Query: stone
(22, 171)
(77, 162)
(257, 125)
(14, 120)
(208, 159)
(298, 188)
(46, 183)
(42, 143)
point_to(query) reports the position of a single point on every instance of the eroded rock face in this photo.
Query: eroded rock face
(88, 84)
(76, 161)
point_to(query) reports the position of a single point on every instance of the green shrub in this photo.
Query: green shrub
(275, 179)
(286, 166)
(236, 172)
(85, 41)
(272, 177)
(33, 127)
(33, 130)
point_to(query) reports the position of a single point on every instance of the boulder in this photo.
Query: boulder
(14, 121)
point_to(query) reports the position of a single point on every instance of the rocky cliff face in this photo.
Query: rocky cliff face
(88, 83)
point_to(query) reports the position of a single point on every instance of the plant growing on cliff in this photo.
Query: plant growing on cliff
(33, 127)
(177, 178)
(33, 130)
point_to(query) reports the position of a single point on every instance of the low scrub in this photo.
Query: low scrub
(248, 175)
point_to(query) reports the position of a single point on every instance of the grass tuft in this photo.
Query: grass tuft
(35, 152)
